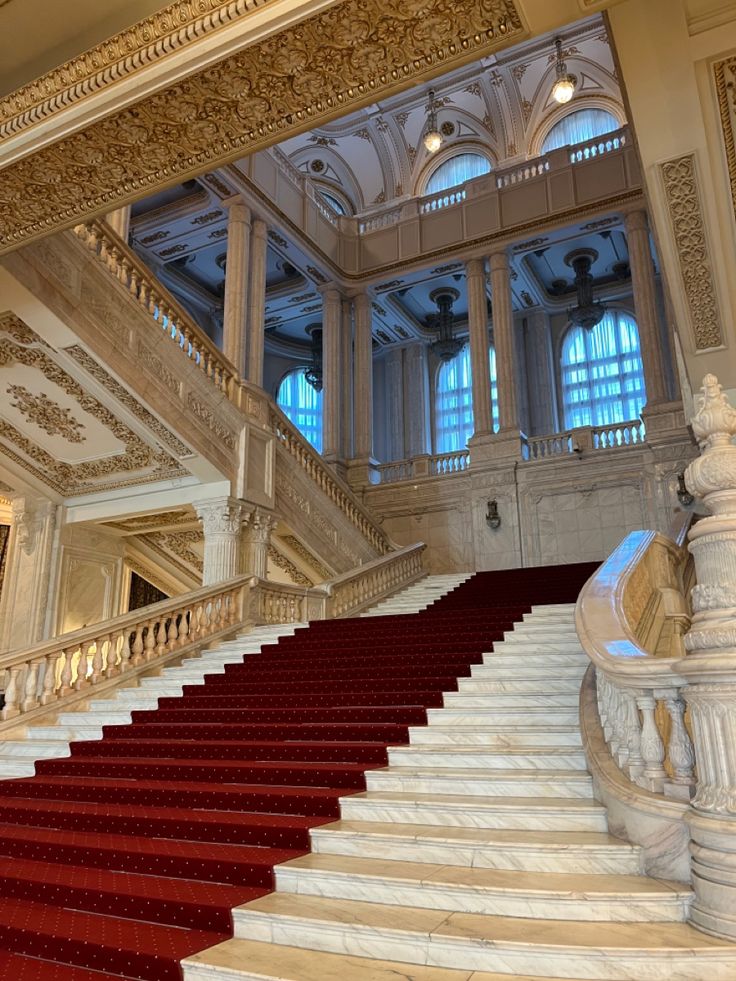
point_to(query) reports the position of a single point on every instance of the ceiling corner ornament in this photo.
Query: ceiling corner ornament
(163, 33)
(724, 73)
(350, 54)
(680, 180)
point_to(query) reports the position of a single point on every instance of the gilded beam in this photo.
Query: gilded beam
(348, 55)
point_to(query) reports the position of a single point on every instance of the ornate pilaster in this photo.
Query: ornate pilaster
(255, 539)
(257, 302)
(221, 522)
(710, 666)
(332, 387)
(645, 304)
(478, 327)
(236, 282)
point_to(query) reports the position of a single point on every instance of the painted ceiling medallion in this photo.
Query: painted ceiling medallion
(46, 414)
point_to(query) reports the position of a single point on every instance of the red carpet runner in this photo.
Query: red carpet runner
(129, 855)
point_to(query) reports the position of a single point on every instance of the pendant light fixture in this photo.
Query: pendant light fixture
(447, 346)
(313, 374)
(588, 312)
(431, 137)
(564, 85)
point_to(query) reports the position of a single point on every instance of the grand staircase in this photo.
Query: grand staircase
(408, 833)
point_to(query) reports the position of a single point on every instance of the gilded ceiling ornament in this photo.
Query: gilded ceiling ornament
(46, 414)
(287, 566)
(351, 53)
(147, 522)
(682, 193)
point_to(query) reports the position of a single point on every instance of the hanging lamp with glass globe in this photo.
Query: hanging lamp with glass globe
(564, 85)
(432, 138)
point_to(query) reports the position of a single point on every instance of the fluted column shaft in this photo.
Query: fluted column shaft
(645, 305)
(503, 340)
(540, 374)
(236, 283)
(394, 368)
(257, 302)
(478, 328)
(363, 393)
(417, 404)
(332, 388)
(221, 519)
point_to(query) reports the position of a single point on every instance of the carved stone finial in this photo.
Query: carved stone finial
(714, 423)
(712, 476)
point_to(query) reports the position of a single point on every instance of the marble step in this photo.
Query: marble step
(34, 749)
(488, 671)
(538, 685)
(588, 853)
(497, 813)
(461, 715)
(251, 960)
(568, 608)
(12, 768)
(451, 734)
(547, 662)
(76, 733)
(493, 892)
(97, 718)
(471, 941)
(539, 757)
(475, 783)
(537, 628)
(512, 645)
(513, 699)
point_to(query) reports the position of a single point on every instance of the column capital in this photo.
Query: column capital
(258, 524)
(499, 260)
(328, 289)
(221, 515)
(237, 209)
(634, 220)
(476, 267)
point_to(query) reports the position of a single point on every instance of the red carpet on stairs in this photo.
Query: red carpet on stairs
(127, 857)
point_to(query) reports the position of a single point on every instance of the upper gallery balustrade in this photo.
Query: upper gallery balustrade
(502, 202)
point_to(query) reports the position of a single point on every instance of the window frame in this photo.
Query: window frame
(493, 377)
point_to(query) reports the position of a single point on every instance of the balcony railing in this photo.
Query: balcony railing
(426, 465)
(576, 441)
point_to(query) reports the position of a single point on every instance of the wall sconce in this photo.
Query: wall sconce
(683, 494)
(493, 518)
(577, 448)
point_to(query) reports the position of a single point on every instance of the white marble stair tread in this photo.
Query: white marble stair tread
(523, 812)
(98, 718)
(586, 852)
(549, 662)
(521, 648)
(514, 782)
(535, 686)
(449, 733)
(479, 715)
(529, 670)
(539, 757)
(511, 699)
(75, 733)
(33, 750)
(250, 960)
(547, 895)
(472, 941)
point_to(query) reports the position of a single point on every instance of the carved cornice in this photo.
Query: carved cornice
(119, 57)
(680, 180)
(351, 54)
(724, 73)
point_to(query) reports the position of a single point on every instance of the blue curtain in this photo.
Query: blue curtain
(602, 373)
(457, 170)
(579, 126)
(335, 203)
(302, 405)
(454, 401)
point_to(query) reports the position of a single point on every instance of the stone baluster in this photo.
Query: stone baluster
(710, 665)
(652, 748)
(257, 302)
(236, 282)
(221, 520)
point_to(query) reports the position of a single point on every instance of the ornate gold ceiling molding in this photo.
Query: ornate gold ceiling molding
(351, 54)
(680, 180)
(120, 57)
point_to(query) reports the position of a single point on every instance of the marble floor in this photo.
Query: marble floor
(479, 853)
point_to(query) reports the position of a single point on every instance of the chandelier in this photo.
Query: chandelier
(564, 84)
(431, 137)
(588, 312)
(447, 346)
(313, 374)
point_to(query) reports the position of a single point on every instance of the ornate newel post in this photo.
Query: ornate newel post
(710, 665)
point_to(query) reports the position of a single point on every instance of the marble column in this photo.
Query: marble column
(236, 283)
(503, 340)
(25, 611)
(363, 390)
(416, 387)
(119, 221)
(221, 521)
(645, 305)
(394, 416)
(347, 378)
(540, 375)
(332, 385)
(478, 328)
(257, 302)
(710, 666)
(255, 540)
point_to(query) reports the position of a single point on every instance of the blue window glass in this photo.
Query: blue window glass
(335, 203)
(457, 170)
(302, 404)
(579, 126)
(454, 401)
(602, 373)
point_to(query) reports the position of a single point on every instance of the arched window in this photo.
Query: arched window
(579, 126)
(334, 202)
(457, 170)
(454, 401)
(302, 404)
(602, 374)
